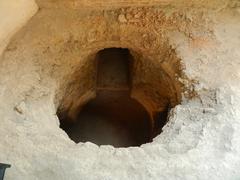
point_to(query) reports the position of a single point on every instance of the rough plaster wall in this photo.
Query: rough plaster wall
(111, 4)
(201, 140)
(14, 14)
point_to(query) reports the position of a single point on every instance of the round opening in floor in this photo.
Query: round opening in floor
(116, 115)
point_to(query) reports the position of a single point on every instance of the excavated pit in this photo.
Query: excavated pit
(113, 116)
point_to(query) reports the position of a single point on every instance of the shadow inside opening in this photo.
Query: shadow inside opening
(113, 117)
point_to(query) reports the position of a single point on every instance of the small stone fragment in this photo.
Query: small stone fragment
(122, 18)
(20, 108)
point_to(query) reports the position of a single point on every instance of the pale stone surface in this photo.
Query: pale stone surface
(202, 137)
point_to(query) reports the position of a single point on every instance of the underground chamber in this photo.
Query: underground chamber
(120, 113)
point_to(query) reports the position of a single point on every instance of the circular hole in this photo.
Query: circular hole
(113, 117)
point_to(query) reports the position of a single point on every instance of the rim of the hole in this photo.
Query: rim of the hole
(131, 52)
